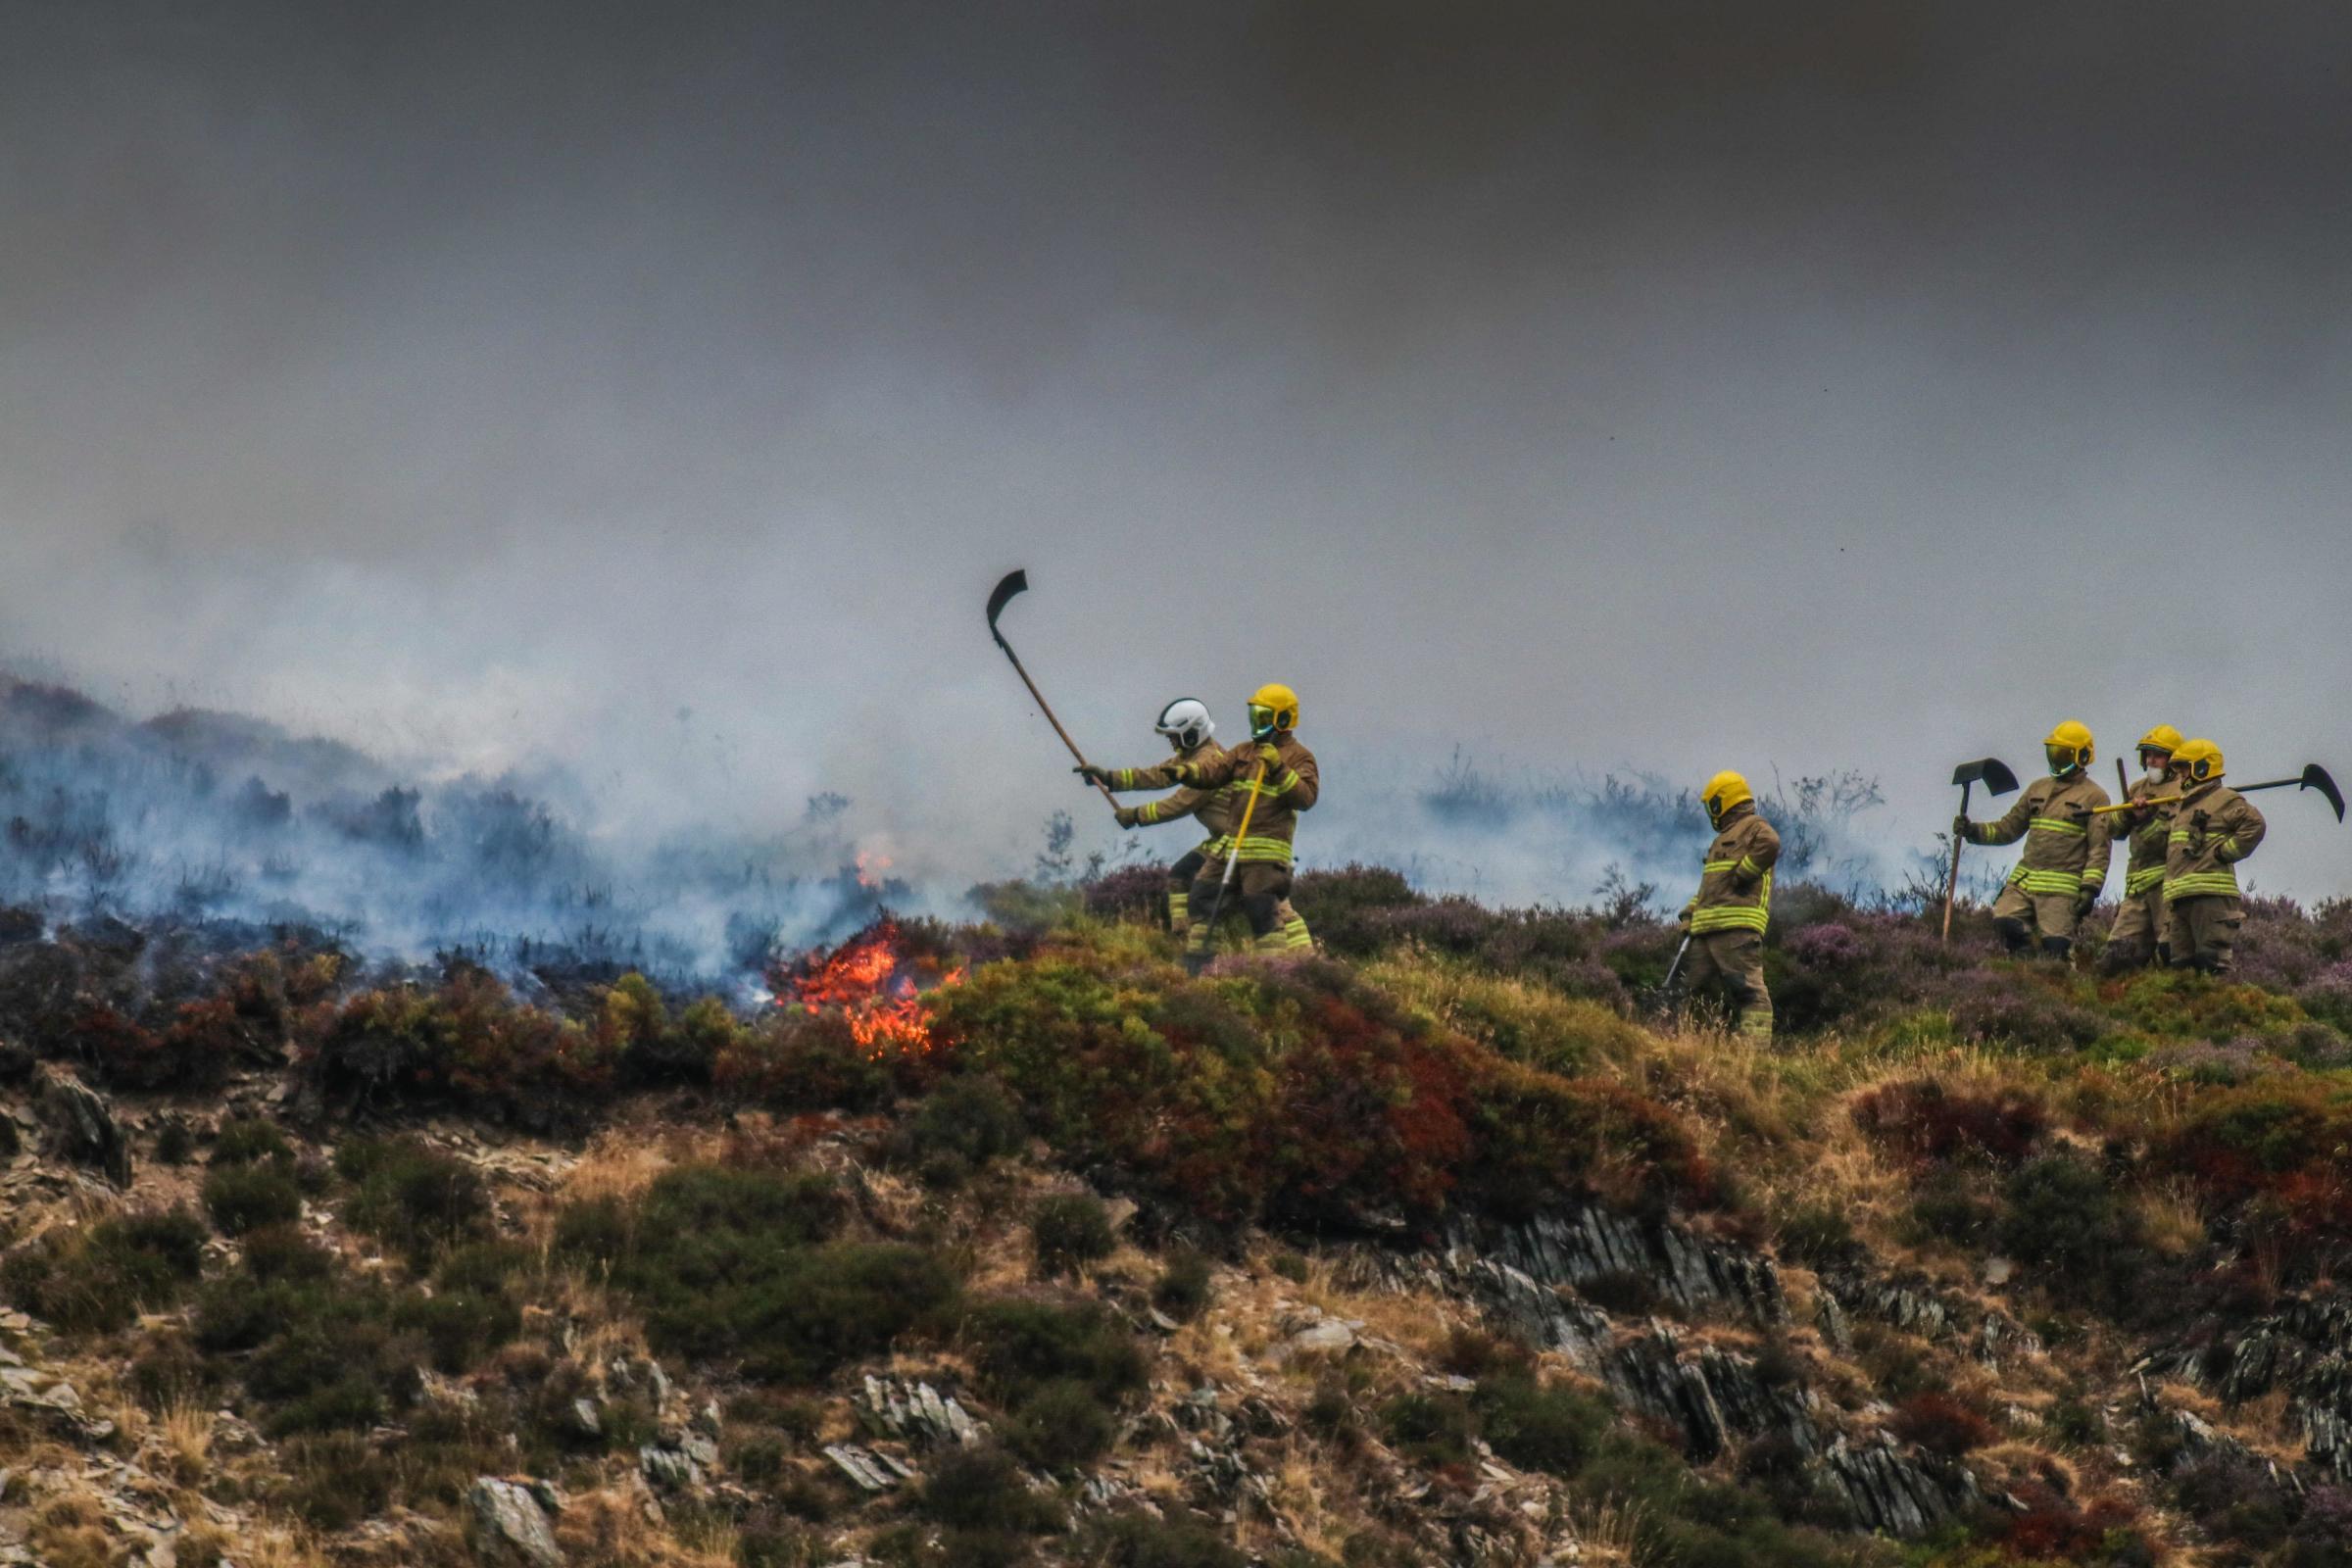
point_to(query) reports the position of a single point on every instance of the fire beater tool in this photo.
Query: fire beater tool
(1017, 582)
(2313, 777)
(1995, 775)
(1216, 905)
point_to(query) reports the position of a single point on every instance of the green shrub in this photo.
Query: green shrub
(594, 1234)
(1134, 1542)
(1184, 1288)
(1070, 1231)
(1062, 1426)
(98, 1280)
(249, 1139)
(458, 1327)
(796, 1060)
(1551, 1429)
(1430, 1427)
(415, 1198)
(242, 1198)
(982, 1489)
(970, 1116)
(2066, 1223)
(1020, 1345)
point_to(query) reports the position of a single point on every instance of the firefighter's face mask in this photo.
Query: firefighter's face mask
(1261, 721)
(2064, 759)
(1714, 805)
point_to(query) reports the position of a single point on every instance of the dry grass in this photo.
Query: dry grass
(186, 1431)
(611, 1527)
(618, 1165)
(2170, 1221)
(1609, 1533)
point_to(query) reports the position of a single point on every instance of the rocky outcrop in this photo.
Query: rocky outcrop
(1909, 1302)
(1588, 1245)
(507, 1524)
(80, 1124)
(915, 1413)
(1715, 1398)
(1902, 1494)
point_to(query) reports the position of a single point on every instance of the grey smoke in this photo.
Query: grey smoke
(645, 397)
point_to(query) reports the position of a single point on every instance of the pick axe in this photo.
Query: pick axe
(1995, 775)
(1017, 582)
(2313, 777)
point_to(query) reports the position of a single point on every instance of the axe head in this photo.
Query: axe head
(1015, 582)
(1990, 771)
(2315, 777)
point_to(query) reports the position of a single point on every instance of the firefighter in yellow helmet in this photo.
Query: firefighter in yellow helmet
(1188, 727)
(1286, 781)
(2058, 877)
(2213, 828)
(2138, 936)
(1726, 917)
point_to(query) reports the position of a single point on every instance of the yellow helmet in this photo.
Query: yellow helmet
(2163, 738)
(1724, 791)
(2200, 760)
(1273, 707)
(2068, 747)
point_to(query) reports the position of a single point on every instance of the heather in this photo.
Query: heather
(2054, 1250)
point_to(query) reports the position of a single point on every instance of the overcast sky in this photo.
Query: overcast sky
(660, 388)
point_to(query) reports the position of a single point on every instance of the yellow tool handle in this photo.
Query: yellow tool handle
(2138, 806)
(1243, 832)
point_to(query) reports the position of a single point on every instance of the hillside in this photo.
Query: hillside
(1009, 1244)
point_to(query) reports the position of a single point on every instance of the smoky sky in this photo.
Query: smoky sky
(658, 390)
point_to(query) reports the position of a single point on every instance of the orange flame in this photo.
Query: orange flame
(872, 984)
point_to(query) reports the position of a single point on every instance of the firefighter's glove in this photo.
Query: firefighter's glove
(1127, 816)
(1269, 758)
(2086, 901)
(1683, 922)
(1960, 826)
(1092, 774)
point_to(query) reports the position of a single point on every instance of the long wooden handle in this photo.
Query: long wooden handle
(1047, 710)
(1952, 885)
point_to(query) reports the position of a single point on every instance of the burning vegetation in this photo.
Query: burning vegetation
(875, 984)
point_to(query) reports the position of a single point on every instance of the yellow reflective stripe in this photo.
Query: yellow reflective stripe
(1728, 917)
(2052, 825)
(1276, 851)
(2227, 849)
(2139, 881)
(2198, 884)
(1148, 813)
(1746, 866)
(2046, 881)
(1285, 784)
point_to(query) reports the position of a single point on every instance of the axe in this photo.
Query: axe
(1995, 775)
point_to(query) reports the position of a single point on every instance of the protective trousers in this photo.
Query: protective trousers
(2137, 937)
(1261, 893)
(2203, 931)
(1733, 962)
(2019, 916)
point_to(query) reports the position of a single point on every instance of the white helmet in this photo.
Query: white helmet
(1186, 723)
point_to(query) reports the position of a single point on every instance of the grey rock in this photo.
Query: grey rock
(870, 1471)
(81, 1124)
(668, 1469)
(1716, 1397)
(915, 1413)
(506, 1525)
(1903, 1495)
(586, 1419)
(1579, 1245)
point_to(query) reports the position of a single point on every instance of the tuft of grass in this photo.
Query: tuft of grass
(412, 1198)
(98, 1280)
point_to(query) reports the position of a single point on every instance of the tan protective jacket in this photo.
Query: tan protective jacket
(2149, 843)
(2213, 828)
(1290, 788)
(2066, 847)
(1734, 883)
(1210, 807)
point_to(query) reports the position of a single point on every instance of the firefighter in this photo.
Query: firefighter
(1188, 727)
(2138, 936)
(1726, 917)
(1283, 775)
(2058, 877)
(2213, 828)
